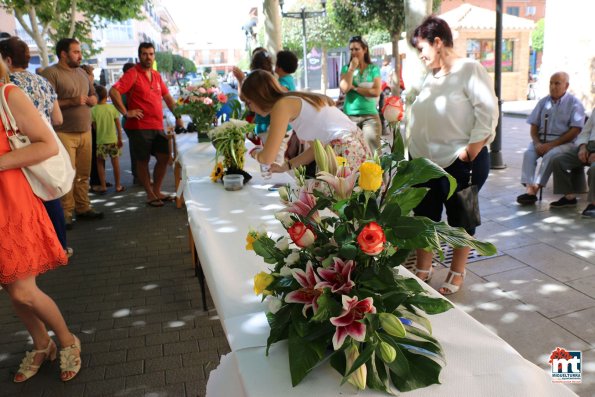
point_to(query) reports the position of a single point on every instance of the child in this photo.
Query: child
(106, 120)
(285, 66)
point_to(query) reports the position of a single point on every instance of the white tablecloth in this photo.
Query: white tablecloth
(479, 363)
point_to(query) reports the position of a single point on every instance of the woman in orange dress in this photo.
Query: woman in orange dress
(28, 243)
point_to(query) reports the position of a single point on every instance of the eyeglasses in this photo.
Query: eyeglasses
(357, 39)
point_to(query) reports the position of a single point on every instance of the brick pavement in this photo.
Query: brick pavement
(130, 294)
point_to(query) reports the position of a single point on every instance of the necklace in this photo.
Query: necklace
(439, 75)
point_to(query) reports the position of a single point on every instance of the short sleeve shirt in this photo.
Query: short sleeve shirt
(40, 91)
(142, 93)
(71, 83)
(105, 116)
(356, 104)
(561, 115)
(287, 82)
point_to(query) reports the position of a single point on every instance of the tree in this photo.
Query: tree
(165, 61)
(50, 20)
(375, 14)
(537, 36)
(182, 64)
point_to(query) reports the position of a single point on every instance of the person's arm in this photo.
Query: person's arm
(66, 103)
(304, 158)
(284, 110)
(91, 96)
(479, 89)
(119, 104)
(373, 91)
(568, 136)
(346, 83)
(171, 105)
(119, 131)
(56, 115)
(43, 144)
(238, 74)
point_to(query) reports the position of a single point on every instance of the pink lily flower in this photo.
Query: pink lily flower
(309, 292)
(303, 205)
(348, 323)
(342, 183)
(337, 277)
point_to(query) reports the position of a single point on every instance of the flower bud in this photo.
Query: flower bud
(392, 325)
(320, 156)
(331, 159)
(387, 352)
(358, 377)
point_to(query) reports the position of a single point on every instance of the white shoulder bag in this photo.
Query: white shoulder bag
(50, 179)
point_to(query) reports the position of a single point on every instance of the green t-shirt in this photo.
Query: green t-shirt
(104, 116)
(358, 104)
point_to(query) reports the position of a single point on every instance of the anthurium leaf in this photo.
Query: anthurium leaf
(279, 323)
(409, 198)
(416, 171)
(429, 304)
(327, 306)
(457, 237)
(303, 355)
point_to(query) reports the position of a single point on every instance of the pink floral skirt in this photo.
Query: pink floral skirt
(353, 148)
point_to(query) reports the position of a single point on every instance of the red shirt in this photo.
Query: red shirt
(143, 94)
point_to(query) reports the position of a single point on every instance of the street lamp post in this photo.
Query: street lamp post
(303, 15)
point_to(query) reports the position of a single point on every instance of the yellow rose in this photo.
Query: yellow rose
(261, 281)
(370, 176)
(250, 239)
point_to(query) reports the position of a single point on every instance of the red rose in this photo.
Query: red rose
(303, 236)
(371, 239)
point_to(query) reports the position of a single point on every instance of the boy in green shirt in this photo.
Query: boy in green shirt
(106, 120)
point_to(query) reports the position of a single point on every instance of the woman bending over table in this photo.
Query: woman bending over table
(312, 116)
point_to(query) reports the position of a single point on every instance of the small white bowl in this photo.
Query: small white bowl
(233, 182)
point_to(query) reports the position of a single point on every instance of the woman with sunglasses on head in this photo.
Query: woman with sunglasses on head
(313, 116)
(452, 121)
(362, 84)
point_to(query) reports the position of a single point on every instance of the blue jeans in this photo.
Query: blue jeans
(56, 214)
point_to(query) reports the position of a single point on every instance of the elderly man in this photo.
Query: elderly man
(555, 122)
(568, 171)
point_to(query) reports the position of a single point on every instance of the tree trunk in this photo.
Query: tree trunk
(72, 18)
(394, 79)
(415, 12)
(323, 70)
(272, 26)
(33, 31)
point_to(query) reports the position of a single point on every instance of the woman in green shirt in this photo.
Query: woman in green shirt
(361, 82)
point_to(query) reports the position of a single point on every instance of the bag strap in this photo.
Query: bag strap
(471, 168)
(7, 118)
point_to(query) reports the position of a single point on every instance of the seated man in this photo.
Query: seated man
(568, 171)
(555, 123)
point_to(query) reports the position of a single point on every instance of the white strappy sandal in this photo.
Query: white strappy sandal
(27, 369)
(448, 286)
(429, 272)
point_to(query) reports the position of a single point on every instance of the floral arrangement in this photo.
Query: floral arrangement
(229, 141)
(333, 289)
(202, 102)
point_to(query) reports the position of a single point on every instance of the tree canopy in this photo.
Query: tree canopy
(537, 36)
(46, 21)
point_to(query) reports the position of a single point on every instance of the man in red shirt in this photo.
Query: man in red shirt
(144, 90)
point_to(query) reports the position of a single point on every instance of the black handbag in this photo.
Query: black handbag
(465, 203)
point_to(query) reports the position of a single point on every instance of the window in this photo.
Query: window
(484, 51)
(530, 11)
(119, 31)
(512, 11)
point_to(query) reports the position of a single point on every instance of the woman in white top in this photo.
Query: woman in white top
(312, 116)
(453, 119)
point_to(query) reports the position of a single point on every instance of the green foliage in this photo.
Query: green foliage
(537, 36)
(182, 64)
(165, 61)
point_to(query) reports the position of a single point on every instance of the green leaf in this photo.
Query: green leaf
(457, 237)
(412, 371)
(327, 307)
(373, 378)
(363, 357)
(421, 320)
(303, 355)
(429, 304)
(279, 323)
(416, 171)
(348, 251)
(265, 247)
(342, 233)
(409, 198)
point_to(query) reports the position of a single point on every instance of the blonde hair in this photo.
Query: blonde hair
(262, 88)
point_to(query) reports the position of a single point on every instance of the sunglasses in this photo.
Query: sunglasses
(357, 39)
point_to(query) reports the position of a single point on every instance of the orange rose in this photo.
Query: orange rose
(371, 239)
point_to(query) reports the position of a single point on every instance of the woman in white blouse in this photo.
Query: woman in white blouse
(453, 119)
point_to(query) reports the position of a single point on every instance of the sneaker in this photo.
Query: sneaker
(69, 251)
(526, 199)
(91, 214)
(589, 212)
(563, 202)
(68, 221)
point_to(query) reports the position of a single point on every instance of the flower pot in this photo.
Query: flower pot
(234, 171)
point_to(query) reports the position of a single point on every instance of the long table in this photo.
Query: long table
(479, 363)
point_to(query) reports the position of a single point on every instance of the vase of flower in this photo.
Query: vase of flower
(229, 141)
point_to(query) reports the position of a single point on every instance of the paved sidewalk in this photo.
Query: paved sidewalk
(131, 295)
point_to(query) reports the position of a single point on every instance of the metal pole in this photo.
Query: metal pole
(305, 44)
(496, 147)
